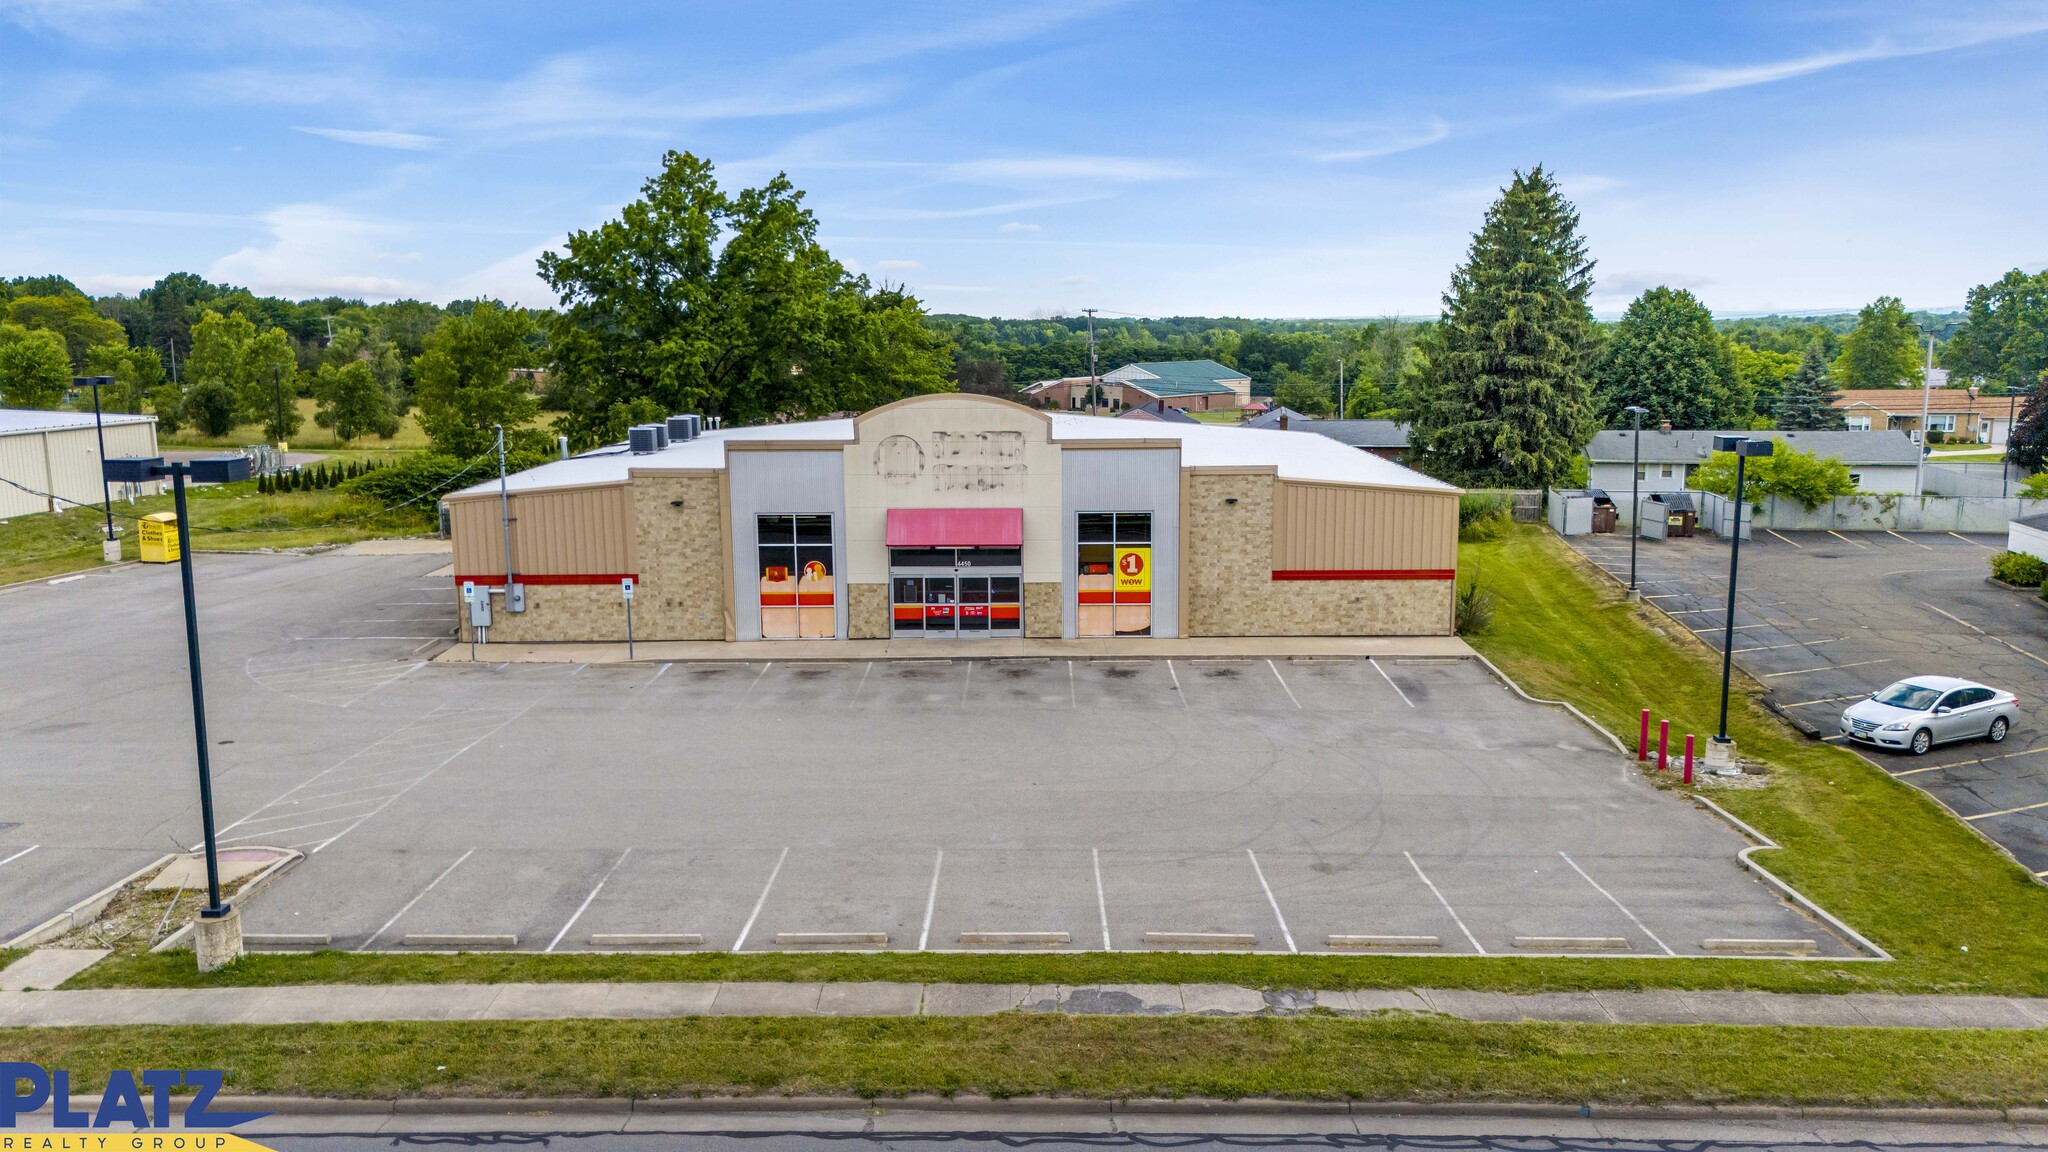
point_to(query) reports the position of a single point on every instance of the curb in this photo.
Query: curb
(1141, 1106)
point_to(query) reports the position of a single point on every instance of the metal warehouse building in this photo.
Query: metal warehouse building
(965, 516)
(59, 453)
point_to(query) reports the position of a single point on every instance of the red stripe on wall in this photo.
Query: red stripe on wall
(1366, 574)
(563, 578)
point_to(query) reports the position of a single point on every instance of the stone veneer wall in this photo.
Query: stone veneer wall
(1044, 617)
(561, 612)
(1228, 566)
(681, 558)
(867, 611)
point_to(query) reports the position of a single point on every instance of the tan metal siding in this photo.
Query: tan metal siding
(583, 531)
(1328, 527)
(21, 460)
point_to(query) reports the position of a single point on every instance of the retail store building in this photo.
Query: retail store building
(962, 516)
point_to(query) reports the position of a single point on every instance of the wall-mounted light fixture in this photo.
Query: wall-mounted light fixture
(1230, 499)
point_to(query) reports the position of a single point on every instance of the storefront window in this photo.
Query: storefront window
(797, 584)
(1114, 583)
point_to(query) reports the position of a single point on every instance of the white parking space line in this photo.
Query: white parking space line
(1967, 540)
(442, 636)
(1738, 627)
(576, 669)
(1794, 543)
(1845, 539)
(863, 682)
(1826, 700)
(1799, 644)
(1986, 635)
(1618, 904)
(585, 906)
(1910, 540)
(416, 666)
(365, 945)
(1284, 933)
(741, 943)
(1941, 767)
(931, 899)
(756, 680)
(966, 683)
(1825, 668)
(1283, 684)
(1390, 682)
(1176, 684)
(2008, 811)
(20, 854)
(1073, 701)
(1455, 918)
(1101, 903)
(659, 673)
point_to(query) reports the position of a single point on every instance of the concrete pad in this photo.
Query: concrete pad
(766, 999)
(659, 1000)
(1121, 1000)
(2035, 1007)
(46, 968)
(317, 1004)
(1041, 998)
(972, 999)
(1809, 1008)
(1380, 1000)
(870, 999)
(1220, 1000)
(189, 871)
(1983, 1012)
(1731, 1007)
(1649, 1007)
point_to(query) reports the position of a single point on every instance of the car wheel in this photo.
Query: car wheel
(1922, 741)
(1999, 728)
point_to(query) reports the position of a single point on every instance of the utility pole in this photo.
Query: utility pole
(1340, 388)
(1926, 397)
(1094, 385)
(277, 391)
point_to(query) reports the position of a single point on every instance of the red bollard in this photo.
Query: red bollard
(1643, 738)
(1688, 758)
(1663, 745)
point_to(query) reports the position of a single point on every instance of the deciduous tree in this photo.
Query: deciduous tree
(462, 383)
(1501, 397)
(2004, 337)
(259, 368)
(1666, 356)
(1883, 351)
(695, 300)
(353, 402)
(35, 371)
(71, 317)
(1787, 473)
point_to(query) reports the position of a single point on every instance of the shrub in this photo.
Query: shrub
(1482, 506)
(1473, 607)
(2018, 568)
(2034, 487)
(427, 475)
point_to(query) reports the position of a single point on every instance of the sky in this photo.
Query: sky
(1279, 159)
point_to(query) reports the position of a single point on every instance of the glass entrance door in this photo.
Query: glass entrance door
(958, 602)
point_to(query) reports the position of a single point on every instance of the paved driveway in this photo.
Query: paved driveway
(1824, 618)
(1267, 805)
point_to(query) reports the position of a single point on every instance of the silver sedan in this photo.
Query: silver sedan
(1917, 713)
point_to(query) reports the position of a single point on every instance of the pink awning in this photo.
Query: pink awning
(956, 527)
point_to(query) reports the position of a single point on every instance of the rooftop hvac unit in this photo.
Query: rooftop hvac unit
(696, 425)
(643, 439)
(660, 434)
(678, 428)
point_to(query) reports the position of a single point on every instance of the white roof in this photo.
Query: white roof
(1297, 455)
(14, 420)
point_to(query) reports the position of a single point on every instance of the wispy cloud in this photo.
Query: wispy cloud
(1095, 169)
(1018, 226)
(315, 250)
(1384, 141)
(898, 265)
(1699, 80)
(960, 213)
(375, 138)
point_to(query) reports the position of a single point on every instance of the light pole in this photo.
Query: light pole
(110, 551)
(1721, 751)
(220, 928)
(1636, 412)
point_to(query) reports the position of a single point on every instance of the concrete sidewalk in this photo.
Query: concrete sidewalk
(332, 1003)
(1213, 647)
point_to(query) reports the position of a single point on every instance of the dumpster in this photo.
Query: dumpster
(1605, 514)
(1677, 510)
(1571, 512)
(159, 538)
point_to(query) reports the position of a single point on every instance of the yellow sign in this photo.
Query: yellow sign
(1133, 569)
(159, 537)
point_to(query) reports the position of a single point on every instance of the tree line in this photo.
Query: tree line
(707, 299)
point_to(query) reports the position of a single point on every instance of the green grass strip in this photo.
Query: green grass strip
(1102, 1057)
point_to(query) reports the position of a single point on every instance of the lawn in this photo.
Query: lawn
(225, 518)
(1317, 1057)
(1958, 916)
(311, 437)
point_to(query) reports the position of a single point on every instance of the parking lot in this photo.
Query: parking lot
(1249, 804)
(1825, 618)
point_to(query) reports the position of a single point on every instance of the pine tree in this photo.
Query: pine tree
(1502, 399)
(1807, 398)
(262, 484)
